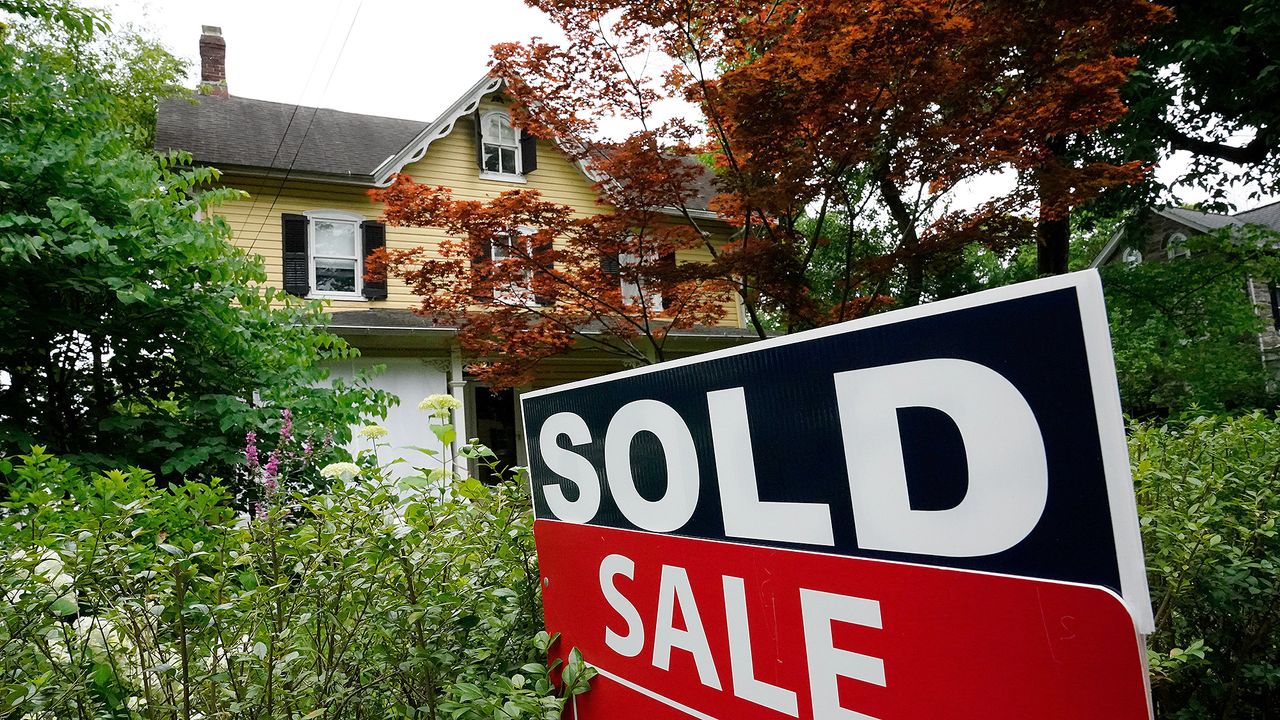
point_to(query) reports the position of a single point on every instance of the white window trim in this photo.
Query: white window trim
(1176, 246)
(633, 292)
(523, 293)
(339, 216)
(517, 176)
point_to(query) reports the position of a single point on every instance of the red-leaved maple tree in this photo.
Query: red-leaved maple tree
(797, 99)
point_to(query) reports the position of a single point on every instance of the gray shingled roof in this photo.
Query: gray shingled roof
(1198, 220)
(234, 132)
(240, 132)
(1268, 215)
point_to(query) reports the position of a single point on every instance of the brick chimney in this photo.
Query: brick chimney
(213, 62)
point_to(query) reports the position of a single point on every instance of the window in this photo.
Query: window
(1131, 256)
(335, 255)
(502, 248)
(1176, 245)
(323, 251)
(499, 147)
(633, 287)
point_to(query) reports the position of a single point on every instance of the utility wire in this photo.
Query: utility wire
(302, 142)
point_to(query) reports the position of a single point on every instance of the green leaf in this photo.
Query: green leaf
(65, 605)
(445, 433)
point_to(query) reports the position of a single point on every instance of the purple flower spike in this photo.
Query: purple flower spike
(273, 464)
(251, 449)
(286, 430)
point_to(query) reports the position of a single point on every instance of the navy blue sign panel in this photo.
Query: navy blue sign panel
(981, 433)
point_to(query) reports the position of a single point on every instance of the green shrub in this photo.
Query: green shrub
(1209, 502)
(372, 600)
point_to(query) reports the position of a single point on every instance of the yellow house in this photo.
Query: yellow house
(307, 171)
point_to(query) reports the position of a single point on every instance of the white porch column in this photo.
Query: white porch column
(457, 388)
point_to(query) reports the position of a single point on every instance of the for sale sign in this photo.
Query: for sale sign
(921, 513)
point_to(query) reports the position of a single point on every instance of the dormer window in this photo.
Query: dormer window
(500, 147)
(502, 152)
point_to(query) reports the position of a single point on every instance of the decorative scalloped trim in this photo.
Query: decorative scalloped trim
(442, 126)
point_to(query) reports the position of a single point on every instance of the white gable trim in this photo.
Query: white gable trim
(465, 105)
(442, 126)
(1109, 249)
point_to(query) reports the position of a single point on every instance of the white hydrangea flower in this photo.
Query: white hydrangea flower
(57, 643)
(344, 470)
(50, 568)
(439, 405)
(372, 432)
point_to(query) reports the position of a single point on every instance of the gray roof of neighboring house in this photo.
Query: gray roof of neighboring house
(240, 132)
(235, 132)
(1199, 220)
(1268, 215)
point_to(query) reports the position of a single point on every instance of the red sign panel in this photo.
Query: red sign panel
(683, 627)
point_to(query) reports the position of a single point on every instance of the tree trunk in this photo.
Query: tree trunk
(1053, 231)
(909, 240)
(1053, 239)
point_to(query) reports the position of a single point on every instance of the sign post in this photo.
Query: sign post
(922, 513)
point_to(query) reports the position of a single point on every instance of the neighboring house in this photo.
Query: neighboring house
(307, 171)
(1167, 231)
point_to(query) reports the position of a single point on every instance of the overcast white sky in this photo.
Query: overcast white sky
(399, 58)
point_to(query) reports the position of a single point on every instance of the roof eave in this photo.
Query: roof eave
(283, 174)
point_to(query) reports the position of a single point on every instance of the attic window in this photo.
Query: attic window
(1176, 246)
(500, 145)
(502, 152)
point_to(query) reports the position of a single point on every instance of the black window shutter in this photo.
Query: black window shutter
(528, 153)
(541, 254)
(374, 235)
(609, 264)
(475, 120)
(293, 234)
(481, 262)
(667, 263)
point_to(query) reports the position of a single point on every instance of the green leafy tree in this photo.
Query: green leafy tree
(1185, 332)
(134, 333)
(135, 69)
(1207, 84)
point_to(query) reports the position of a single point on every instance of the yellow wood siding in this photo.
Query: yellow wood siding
(450, 161)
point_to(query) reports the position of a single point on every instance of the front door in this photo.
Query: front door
(496, 429)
